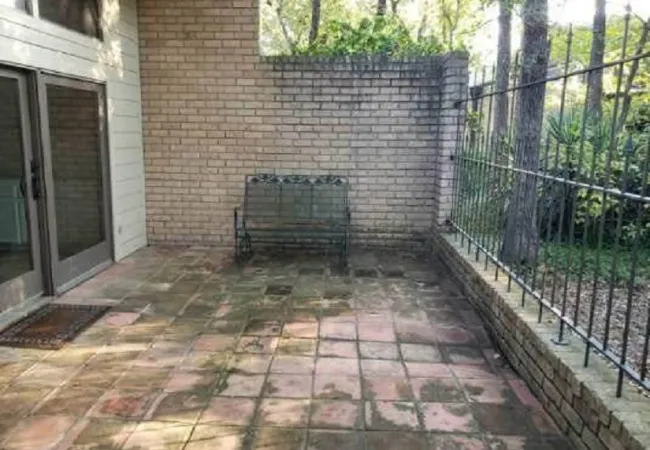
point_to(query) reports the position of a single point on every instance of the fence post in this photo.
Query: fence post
(451, 115)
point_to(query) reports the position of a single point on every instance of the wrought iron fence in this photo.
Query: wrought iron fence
(567, 218)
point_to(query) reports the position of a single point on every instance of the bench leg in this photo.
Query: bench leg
(246, 245)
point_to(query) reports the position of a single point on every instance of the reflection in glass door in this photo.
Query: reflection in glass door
(72, 114)
(20, 187)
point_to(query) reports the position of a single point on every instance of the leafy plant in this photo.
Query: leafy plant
(382, 35)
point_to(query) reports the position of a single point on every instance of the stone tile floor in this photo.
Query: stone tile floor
(285, 353)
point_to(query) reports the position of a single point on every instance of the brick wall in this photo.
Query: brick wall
(214, 111)
(581, 400)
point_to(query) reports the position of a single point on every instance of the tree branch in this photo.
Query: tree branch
(627, 100)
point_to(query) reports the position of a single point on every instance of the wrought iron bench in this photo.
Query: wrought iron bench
(293, 211)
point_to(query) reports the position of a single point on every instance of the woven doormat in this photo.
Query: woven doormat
(51, 326)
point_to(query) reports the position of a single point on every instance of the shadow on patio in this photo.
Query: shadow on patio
(283, 353)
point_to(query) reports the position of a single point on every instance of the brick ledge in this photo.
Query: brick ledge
(581, 400)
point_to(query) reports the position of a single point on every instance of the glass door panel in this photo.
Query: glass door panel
(20, 263)
(76, 176)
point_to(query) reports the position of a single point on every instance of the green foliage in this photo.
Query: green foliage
(574, 261)
(584, 152)
(378, 36)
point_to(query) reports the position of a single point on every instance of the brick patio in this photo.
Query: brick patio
(285, 353)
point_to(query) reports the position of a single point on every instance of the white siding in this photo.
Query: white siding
(34, 43)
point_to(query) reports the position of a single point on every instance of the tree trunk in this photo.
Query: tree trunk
(393, 6)
(595, 78)
(502, 73)
(634, 68)
(315, 21)
(381, 7)
(521, 236)
(283, 26)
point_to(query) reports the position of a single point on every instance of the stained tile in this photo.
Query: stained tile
(215, 436)
(257, 344)
(380, 367)
(263, 328)
(70, 401)
(142, 378)
(503, 420)
(131, 404)
(335, 414)
(178, 407)
(240, 385)
(283, 413)
(471, 371)
(383, 415)
(489, 391)
(378, 350)
(39, 432)
(292, 364)
(337, 387)
(459, 354)
(103, 433)
(388, 440)
(420, 352)
(304, 330)
(196, 360)
(339, 349)
(271, 438)
(340, 330)
(382, 317)
(228, 411)
(454, 336)
(337, 366)
(278, 289)
(428, 370)
(190, 380)
(374, 332)
(336, 440)
(443, 390)
(248, 363)
(386, 388)
(441, 441)
(158, 436)
(448, 417)
(301, 347)
(288, 386)
(214, 343)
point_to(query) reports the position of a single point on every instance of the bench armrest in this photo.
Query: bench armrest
(238, 218)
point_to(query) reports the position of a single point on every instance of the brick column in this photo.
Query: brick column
(451, 120)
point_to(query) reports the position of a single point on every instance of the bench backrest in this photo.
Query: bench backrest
(295, 199)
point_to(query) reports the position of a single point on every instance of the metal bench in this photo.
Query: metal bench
(293, 211)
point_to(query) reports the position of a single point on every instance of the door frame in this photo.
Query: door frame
(66, 274)
(34, 282)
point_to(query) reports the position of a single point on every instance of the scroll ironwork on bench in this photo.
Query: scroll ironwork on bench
(293, 211)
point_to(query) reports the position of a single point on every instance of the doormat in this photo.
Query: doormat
(51, 326)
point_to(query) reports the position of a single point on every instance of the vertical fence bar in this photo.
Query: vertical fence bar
(474, 157)
(608, 171)
(483, 209)
(640, 212)
(574, 201)
(558, 236)
(629, 150)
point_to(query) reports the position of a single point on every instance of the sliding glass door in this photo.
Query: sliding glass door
(76, 178)
(54, 196)
(21, 275)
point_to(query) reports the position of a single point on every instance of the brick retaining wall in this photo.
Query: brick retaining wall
(581, 400)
